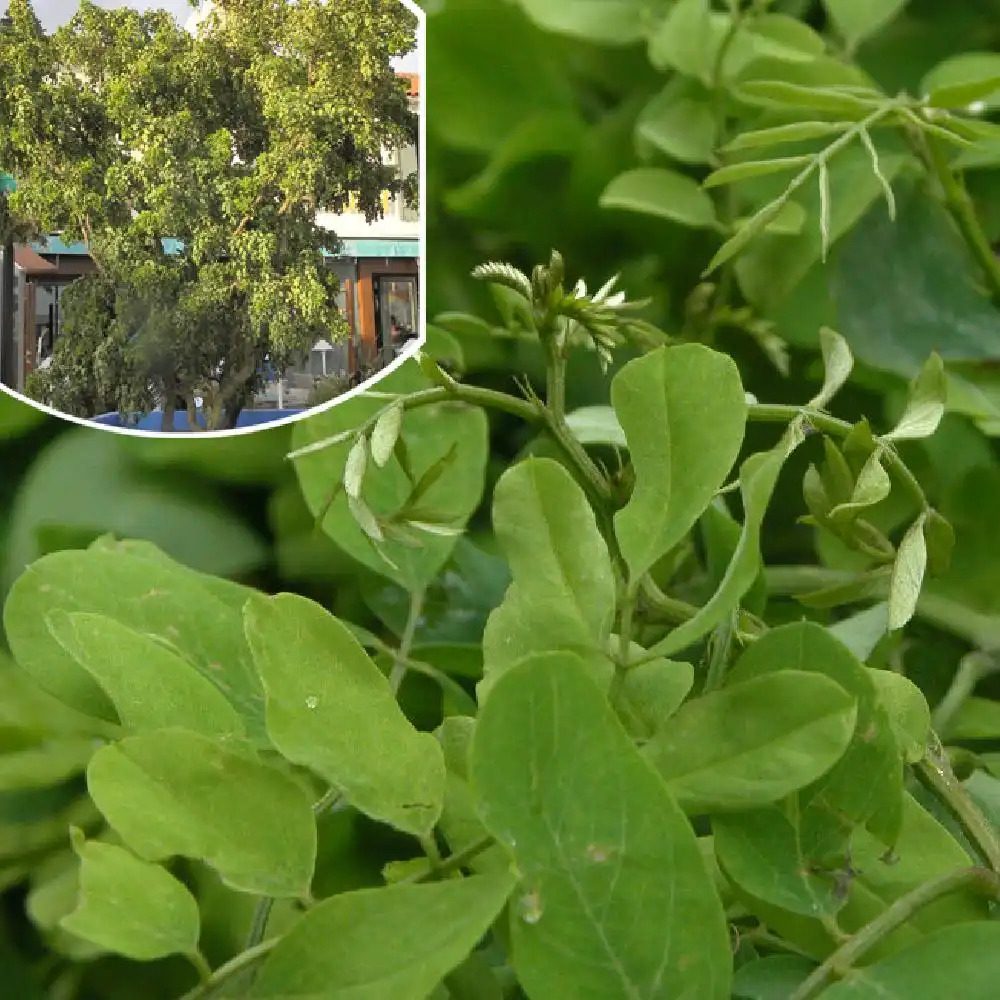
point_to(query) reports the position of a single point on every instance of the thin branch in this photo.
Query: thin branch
(233, 967)
(399, 665)
(936, 773)
(899, 913)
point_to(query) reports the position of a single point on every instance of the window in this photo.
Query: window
(396, 305)
(47, 326)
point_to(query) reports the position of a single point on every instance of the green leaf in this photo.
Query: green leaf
(151, 686)
(793, 728)
(174, 792)
(650, 694)
(683, 410)
(16, 417)
(466, 38)
(132, 907)
(909, 714)
(596, 425)
(965, 953)
(924, 850)
(663, 193)
(540, 137)
(964, 79)
(615, 899)
(720, 533)
(873, 486)
(838, 101)
(679, 121)
(753, 168)
(769, 39)
(474, 979)
(857, 20)
(861, 632)
(756, 224)
(926, 404)
(563, 589)
(331, 709)
(110, 492)
(758, 477)
(607, 22)
(198, 616)
(354, 468)
(976, 719)
(773, 977)
(430, 433)
(837, 364)
(47, 764)
(837, 803)
(777, 135)
(389, 943)
(761, 851)
(685, 40)
(460, 823)
(908, 288)
(385, 433)
(772, 270)
(907, 575)
(787, 222)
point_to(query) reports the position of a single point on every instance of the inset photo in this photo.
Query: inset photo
(210, 212)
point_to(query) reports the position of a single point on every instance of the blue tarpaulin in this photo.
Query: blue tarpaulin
(154, 421)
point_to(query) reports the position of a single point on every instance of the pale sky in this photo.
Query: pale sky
(53, 13)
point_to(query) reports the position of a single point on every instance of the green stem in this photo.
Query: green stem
(330, 798)
(899, 913)
(475, 395)
(258, 925)
(669, 608)
(778, 413)
(406, 640)
(554, 415)
(446, 683)
(721, 646)
(555, 382)
(455, 862)
(971, 670)
(429, 846)
(963, 212)
(472, 394)
(198, 960)
(936, 773)
(624, 642)
(559, 429)
(233, 967)
(763, 937)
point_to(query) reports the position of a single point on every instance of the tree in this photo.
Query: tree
(194, 168)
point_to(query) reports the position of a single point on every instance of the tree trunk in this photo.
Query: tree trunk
(167, 424)
(192, 412)
(171, 403)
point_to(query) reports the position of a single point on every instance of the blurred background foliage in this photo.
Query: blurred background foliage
(534, 107)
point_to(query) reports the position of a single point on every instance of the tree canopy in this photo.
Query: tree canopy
(193, 167)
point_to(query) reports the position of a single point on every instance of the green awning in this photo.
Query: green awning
(7, 183)
(380, 248)
(55, 245)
